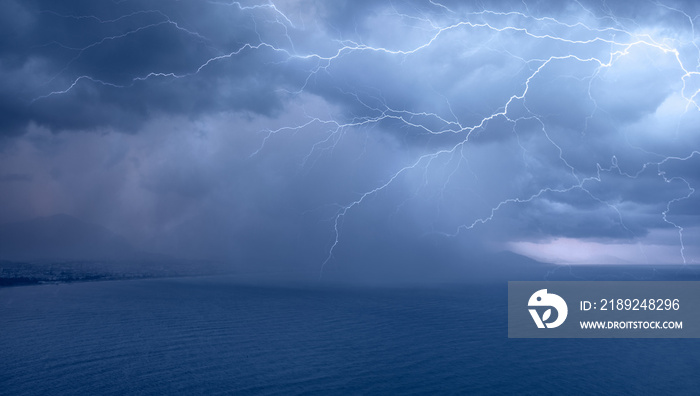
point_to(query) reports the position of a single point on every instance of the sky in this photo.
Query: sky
(359, 138)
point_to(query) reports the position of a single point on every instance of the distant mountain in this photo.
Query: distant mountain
(62, 237)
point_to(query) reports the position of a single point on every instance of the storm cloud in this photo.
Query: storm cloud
(365, 138)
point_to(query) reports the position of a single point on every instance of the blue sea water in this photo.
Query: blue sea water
(217, 336)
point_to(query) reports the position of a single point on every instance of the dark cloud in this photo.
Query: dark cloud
(380, 138)
(99, 62)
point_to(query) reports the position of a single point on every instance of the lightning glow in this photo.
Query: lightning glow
(591, 48)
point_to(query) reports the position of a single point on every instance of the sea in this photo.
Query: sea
(216, 335)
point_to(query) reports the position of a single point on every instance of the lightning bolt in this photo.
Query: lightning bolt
(599, 41)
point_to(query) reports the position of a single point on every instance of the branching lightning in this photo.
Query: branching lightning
(597, 41)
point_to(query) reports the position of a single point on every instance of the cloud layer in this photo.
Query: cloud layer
(395, 139)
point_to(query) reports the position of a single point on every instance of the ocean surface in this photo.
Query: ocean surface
(217, 336)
